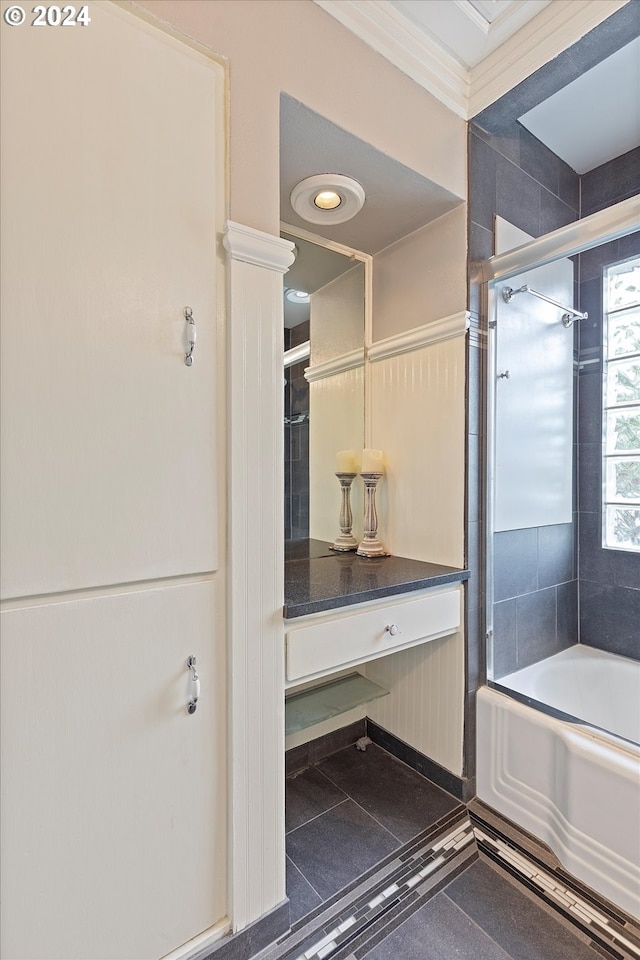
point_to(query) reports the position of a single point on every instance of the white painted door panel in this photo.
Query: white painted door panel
(109, 186)
(113, 797)
(113, 812)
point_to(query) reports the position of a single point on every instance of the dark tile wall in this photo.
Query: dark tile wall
(514, 176)
(609, 580)
(610, 183)
(518, 178)
(615, 32)
(296, 441)
(535, 591)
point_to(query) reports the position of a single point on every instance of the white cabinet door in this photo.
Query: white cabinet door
(111, 169)
(112, 795)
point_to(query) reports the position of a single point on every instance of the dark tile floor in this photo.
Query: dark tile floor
(353, 809)
(348, 812)
(481, 915)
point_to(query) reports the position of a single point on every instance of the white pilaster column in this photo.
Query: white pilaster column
(256, 263)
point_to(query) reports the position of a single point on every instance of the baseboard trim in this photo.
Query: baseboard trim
(255, 937)
(296, 759)
(459, 787)
(308, 753)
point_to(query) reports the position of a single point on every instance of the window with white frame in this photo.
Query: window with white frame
(621, 402)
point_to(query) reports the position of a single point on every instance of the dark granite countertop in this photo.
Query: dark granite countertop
(306, 550)
(318, 582)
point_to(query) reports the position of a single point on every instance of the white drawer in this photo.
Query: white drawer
(321, 647)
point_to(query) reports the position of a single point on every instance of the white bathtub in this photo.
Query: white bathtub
(574, 787)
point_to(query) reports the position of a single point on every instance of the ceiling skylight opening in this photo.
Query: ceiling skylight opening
(490, 10)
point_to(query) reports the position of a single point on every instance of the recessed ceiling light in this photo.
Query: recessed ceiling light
(327, 198)
(297, 296)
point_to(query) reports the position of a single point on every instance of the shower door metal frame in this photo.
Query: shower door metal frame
(605, 225)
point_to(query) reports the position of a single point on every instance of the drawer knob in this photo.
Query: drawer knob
(392, 628)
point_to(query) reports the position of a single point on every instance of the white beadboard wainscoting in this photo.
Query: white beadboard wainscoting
(256, 571)
(416, 395)
(425, 707)
(417, 386)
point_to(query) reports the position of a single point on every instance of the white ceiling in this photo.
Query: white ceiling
(469, 30)
(597, 116)
(593, 119)
(398, 200)
(469, 53)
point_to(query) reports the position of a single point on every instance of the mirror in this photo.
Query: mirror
(325, 322)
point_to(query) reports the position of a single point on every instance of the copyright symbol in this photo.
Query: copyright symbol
(14, 16)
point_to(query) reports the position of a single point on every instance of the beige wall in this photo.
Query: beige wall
(337, 316)
(293, 46)
(422, 277)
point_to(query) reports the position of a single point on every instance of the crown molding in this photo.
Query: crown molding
(254, 246)
(387, 32)
(348, 361)
(539, 41)
(453, 326)
(468, 91)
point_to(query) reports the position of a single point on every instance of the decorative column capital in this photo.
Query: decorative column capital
(254, 246)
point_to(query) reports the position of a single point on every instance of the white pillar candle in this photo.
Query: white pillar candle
(372, 461)
(346, 462)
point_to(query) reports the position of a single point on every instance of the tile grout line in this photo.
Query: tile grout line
(557, 893)
(432, 832)
(539, 864)
(348, 795)
(507, 955)
(410, 899)
(453, 840)
(386, 829)
(326, 775)
(304, 877)
(408, 766)
(527, 174)
(346, 905)
(379, 895)
(397, 860)
(589, 930)
(318, 815)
